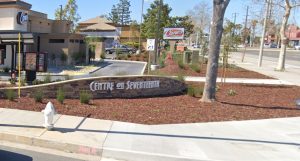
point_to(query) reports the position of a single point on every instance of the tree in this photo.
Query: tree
(69, 12)
(149, 25)
(120, 13)
(134, 27)
(114, 15)
(219, 8)
(201, 18)
(184, 22)
(232, 34)
(253, 31)
(124, 12)
(288, 5)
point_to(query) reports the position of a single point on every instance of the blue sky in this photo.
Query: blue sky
(91, 8)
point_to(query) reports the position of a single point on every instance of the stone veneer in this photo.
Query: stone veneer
(108, 87)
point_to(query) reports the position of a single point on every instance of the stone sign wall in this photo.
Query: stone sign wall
(109, 87)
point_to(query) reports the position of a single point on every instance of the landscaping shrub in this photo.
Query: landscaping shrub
(10, 94)
(195, 67)
(180, 77)
(36, 82)
(23, 82)
(6, 69)
(67, 77)
(190, 91)
(180, 63)
(60, 95)
(12, 81)
(231, 92)
(102, 56)
(38, 96)
(161, 63)
(195, 91)
(84, 97)
(79, 57)
(47, 78)
(63, 57)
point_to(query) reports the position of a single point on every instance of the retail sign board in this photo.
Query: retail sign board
(30, 61)
(42, 62)
(150, 44)
(173, 33)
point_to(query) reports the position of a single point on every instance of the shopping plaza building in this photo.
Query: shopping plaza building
(38, 34)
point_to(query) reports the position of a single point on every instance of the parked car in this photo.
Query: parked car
(297, 47)
(271, 45)
(121, 49)
(196, 45)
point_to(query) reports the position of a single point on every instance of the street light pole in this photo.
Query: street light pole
(262, 40)
(60, 14)
(143, 1)
(157, 32)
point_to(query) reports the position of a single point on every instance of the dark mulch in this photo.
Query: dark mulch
(250, 102)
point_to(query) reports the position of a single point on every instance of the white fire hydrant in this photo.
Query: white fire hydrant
(49, 113)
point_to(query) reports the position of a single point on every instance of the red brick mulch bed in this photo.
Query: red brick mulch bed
(173, 69)
(250, 102)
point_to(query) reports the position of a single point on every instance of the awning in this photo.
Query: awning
(11, 37)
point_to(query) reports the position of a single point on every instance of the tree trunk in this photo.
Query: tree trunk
(284, 39)
(219, 8)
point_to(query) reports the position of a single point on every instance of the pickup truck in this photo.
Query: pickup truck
(121, 49)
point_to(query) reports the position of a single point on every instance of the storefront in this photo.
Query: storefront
(38, 35)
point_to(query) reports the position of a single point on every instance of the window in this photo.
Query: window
(81, 42)
(77, 41)
(56, 40)
(71, 40)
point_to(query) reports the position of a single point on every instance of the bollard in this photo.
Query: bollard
(49, 113)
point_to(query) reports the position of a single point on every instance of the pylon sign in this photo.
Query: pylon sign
(150, 44)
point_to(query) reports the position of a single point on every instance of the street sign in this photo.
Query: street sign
(150, 44)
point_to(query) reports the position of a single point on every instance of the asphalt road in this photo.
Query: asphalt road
(115, 68)
(293, 55)
(14, 154)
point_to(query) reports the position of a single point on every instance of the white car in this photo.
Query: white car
(297, 47)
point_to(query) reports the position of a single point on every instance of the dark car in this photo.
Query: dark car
(120, 49)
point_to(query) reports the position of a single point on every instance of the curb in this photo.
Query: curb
(50, 144)
(144, 156)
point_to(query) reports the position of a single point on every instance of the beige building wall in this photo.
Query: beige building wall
(8, 20)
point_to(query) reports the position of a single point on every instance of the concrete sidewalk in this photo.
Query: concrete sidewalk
(241, 80)
(268, 140)
(290, 75)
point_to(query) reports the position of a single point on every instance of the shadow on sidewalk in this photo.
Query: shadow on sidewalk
(70, 130)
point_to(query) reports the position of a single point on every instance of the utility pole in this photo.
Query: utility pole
(143, 1)
(60, 14)
(245, 34)
(156, 52)
(262, 40)
(234, 21)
